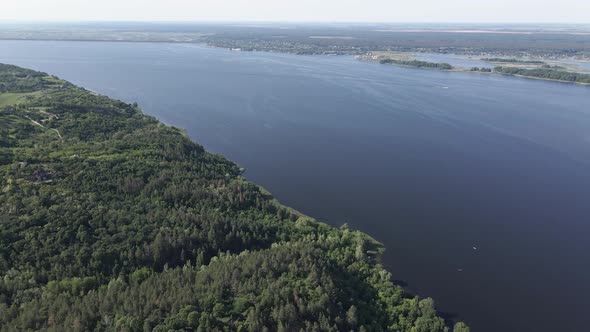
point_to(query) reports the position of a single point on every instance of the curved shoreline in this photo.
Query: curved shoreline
(466, 70)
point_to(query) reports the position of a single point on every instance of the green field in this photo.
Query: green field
(9, 98)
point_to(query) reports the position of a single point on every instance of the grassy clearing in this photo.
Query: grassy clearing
(7, 99)
(14, 98)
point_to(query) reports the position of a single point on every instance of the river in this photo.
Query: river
(478, 185)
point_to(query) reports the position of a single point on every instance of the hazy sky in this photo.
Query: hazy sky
(567, 11)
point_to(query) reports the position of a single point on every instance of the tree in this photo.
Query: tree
(351, 316)
(460, 327)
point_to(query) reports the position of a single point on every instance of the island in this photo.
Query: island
(113, 221)
(535, 69)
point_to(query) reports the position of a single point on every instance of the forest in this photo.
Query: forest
(417, 64)
(113, 221)
(546, 73)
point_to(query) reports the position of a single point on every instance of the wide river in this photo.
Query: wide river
(478, 185)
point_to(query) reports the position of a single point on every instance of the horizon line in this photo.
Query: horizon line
(224, 21)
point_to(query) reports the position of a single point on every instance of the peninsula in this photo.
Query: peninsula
(111, 220)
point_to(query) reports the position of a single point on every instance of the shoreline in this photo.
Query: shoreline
(355, 56)
(467, 70)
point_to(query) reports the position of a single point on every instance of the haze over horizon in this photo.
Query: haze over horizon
(382, 11)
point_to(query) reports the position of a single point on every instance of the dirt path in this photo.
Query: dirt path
(42, 126)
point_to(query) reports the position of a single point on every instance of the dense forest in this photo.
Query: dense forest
(546, 73)
(110, 220)
(14, 79)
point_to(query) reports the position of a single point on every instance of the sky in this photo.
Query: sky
(472, 11)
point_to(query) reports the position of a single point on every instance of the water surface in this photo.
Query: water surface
(478, 185)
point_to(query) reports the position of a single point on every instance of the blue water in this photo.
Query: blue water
(430, 163)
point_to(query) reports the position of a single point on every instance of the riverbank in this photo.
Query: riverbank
(373, 133)
(192, 216)
(507, 67)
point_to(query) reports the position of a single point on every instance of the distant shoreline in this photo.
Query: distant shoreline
(105, 40)
(364, 58)
(403, 59)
